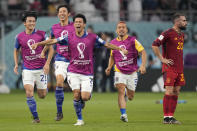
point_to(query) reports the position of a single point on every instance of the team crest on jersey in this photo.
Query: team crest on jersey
(64, 33)
(81, 48)
(124, 57)
(161, 37)
(168, 80)
(29, 43)
(175, 38)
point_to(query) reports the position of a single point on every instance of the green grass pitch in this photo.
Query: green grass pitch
(100, 114)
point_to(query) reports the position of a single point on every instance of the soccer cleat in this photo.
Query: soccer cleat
(79, 123)
(59, 116)
(124, 118)
(166, 120)
(36, 120)
(172, 120)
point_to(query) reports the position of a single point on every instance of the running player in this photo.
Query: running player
(126, 66)
(80, 76)
(34, 68)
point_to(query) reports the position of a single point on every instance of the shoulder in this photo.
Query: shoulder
(167, 32)
(55, 26)
(131, 38)
(40, 32)
(21, 34)
(113, 41)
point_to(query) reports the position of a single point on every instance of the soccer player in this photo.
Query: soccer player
(125, 79)
(34, 68)
(171, 41)
(80, 69)
(62, 56)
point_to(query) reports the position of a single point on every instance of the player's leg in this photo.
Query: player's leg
(41, 82)
(74, 83)
(60, 72)
(28, 81)
(120, 84)
(169, 79)
(173, 103)
(132, 81)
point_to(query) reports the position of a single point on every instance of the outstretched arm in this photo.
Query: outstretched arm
(114, 47)
(110, 65)
(16, 53)
(45, 42)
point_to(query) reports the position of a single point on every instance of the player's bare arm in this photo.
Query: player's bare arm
(50, 56)
(45, 42)
(142, 68)
(114, 47)
(168, 62)
(110, 65)
(16, 52)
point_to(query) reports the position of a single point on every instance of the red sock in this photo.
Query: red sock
(166, 103)
(173, 103)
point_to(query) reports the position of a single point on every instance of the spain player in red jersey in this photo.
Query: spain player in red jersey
(172, 41)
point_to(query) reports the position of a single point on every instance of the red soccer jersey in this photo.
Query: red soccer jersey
(172, 48)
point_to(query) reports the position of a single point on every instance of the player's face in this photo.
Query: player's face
(79, 24)
(121, 29)
(30, 23)
(63, 13)
(182, 23)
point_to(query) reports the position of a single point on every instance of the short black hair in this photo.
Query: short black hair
(65, 6)
(28, 14)
(80, 16)
(176, 16)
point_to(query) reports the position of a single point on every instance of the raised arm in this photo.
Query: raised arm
(45, 42)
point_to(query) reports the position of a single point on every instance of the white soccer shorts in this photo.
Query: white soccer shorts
(61, 68)
(130, 80)
(35, 77)
(79, 81)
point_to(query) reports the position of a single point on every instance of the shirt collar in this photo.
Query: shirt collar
(124, 38)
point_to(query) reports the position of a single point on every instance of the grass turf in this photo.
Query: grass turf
(100, 114)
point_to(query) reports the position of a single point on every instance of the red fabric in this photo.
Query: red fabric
(173, 104)
(166, 104)
(172, 78)
(172, 48)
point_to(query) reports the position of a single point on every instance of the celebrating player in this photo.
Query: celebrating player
(172, 58)
(80, 76)
(62, 56)
(34, 67)
(126, 66)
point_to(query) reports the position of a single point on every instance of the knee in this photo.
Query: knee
(41, 96)
(85, 98)
(130, 97)
(175, 92)
(76, 96)
(60, 83)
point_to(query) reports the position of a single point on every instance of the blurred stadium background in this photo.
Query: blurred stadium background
(146, 19)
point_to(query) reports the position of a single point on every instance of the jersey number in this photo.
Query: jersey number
(180, 46)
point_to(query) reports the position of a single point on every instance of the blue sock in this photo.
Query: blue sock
(59, 94)
(77, 106)
(123, 111)
(32, 106)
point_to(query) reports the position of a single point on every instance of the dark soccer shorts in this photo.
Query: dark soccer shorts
(172, 78)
